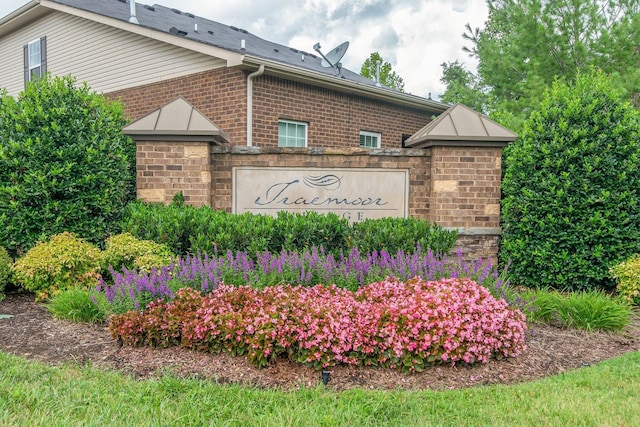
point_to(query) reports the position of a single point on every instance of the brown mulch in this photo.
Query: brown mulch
(33, 333)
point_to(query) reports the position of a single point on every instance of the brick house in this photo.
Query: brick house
(261, 107)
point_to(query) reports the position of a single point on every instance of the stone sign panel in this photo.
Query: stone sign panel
(355, 194)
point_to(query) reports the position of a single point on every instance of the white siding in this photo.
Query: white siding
(107, 58)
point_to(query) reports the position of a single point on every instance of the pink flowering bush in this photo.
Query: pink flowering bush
(161, 323)
(407, 325)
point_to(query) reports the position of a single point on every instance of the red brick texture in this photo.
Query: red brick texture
(220, 94)
(166, 168)
(334, 119)
(466, 186)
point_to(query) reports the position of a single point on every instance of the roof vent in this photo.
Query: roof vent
(190, 15)
(210, 32)
(176, 11)
(132, 12)
(174, 30)
(234, 28)
(151, 8)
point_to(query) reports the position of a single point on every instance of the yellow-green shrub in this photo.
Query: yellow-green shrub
(627, 274)
(125, 250)
(64, 262)
(5, 270)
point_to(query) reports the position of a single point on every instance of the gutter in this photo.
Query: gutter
(250, 78)
(279, 69)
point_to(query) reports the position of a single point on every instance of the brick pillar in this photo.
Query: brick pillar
(165, 168)
(465, 194)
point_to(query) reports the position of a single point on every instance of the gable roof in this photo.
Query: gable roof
(459, 125)
(176, 119)
(179, 27)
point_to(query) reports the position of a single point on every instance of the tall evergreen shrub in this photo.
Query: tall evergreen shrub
(571, 188)
(64, 164)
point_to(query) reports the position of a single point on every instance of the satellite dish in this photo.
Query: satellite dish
(332, 59)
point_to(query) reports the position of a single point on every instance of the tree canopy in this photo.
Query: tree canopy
(388, 77)
(527, 44)
(463, 86)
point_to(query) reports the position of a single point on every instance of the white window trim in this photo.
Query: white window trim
(376, 135)
(28, 66)
(39, 64)
(293, 122)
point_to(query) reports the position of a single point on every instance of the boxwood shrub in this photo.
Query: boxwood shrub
(627, 275)
(64, 262)
(126, 251)
(191, 230)
(401, 234)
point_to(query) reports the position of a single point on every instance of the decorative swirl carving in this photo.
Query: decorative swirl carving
(331, 182)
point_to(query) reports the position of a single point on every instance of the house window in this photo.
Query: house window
(35, 59)
(292, 134)
(369, 139)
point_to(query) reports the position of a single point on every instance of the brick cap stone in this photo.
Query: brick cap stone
(460, 125)
(320, 151)
(477, 231)
(179, 120)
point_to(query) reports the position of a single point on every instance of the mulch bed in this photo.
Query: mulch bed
(34, 334)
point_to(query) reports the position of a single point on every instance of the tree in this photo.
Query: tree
(463, 87)
(527, 44)
(388, 77)
(571, 206)
(64, 164)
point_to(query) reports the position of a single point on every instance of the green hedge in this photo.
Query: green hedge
(64, 164)
(401, 234)
(190, 230)
(571, 189)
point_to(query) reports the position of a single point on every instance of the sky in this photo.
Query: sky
(414, 36)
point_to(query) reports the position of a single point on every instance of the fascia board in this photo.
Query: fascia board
(22, 17)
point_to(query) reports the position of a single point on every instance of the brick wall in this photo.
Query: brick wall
(465, 194)
(466, 186)
(219, 94)
(223, 160)
(334, 119)
(166, 168)
(457, 187)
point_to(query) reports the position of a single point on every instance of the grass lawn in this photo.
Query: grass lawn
(32, 394)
